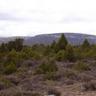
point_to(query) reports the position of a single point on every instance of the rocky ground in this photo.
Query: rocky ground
(67, 82)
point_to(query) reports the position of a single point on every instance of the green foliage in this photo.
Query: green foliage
(13, 53)
(69, 53)
(14, 57)
(60, 55)
(78, 53)
(46, 67)
(89, 53)
(47, 50)
(17, 45)
(40, 48)
(69, 73)
(86, 44)
(6, 83)
(11, 45)
(50, 76)
(53, 45)
(3, 48)
(10, 68)
(29, 53)
(80, 66)
(62, 43)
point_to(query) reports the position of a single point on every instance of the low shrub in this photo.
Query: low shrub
(29, 53)
(50, 76)
(69, 74)
(60, 55)
(54, 92)
(89, 86)
(47, 67)
(80, 66)
(69, 53)
(10, 68)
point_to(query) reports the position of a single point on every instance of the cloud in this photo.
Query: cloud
(6, 16)
(11, 17)
(77, 19)
(31, 17)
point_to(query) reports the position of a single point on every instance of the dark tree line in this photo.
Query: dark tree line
(17, 45)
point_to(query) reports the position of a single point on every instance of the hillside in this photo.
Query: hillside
(73, 38)
(60, 69)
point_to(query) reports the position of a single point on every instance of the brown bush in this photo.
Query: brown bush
(89, 86)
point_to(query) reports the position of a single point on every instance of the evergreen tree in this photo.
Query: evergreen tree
(47, 50)
(62, 43)
(53, 46)
(11, 45)
(3, 47)
(18, 44)
(85, 44)
(69, 53)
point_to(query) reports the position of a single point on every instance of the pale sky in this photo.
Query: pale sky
(32, 17)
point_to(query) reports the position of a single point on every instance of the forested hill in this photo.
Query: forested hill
(73, 38)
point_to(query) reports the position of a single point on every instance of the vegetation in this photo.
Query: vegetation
(69, 53)
(47, 67)
(80, 66)
(60, 55)
(59, 51)
(10, 68)
(86, 44)
(54, 92)
(89, 86)
(62, 43)
(59, 61)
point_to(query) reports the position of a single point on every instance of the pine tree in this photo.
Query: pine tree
(62, 42)
(85, 44)
(69, 53)
(17, 44)
(53, 45)
(3, 47)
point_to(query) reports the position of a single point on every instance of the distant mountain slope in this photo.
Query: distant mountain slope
(73, 38)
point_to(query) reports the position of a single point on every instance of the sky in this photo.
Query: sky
(33, 17)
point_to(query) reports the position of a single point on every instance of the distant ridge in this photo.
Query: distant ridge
(73, 38)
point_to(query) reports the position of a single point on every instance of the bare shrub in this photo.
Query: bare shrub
(89, 86)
